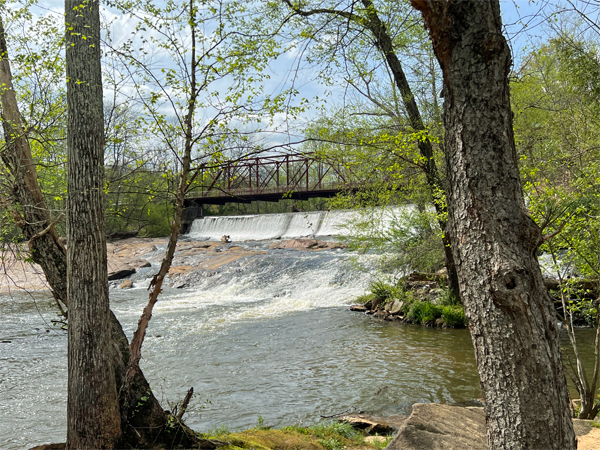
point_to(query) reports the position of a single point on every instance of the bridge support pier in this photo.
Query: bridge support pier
(190, 213)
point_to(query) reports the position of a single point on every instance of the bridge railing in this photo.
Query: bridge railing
(276, 174)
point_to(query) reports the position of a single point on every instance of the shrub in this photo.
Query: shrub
(383, 290)
(454, 316)
(365, 298)
(424, 312)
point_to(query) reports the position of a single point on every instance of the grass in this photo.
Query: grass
(323, 436)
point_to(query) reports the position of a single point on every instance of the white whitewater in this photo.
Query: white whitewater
(288, 225)
(271, 226)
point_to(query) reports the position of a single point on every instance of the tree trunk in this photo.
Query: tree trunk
(93, 419)
(494, 241)
(143, 426)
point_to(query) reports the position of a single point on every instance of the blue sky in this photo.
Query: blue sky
(523, 21)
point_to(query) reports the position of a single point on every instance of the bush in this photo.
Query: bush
(454, 316)
(424, 312)
(365, 298)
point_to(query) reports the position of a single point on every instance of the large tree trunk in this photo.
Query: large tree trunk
(494, 241)
(93, 419)
(146, 425)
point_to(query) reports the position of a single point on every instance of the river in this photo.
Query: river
(268, 335)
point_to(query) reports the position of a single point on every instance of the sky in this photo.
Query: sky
(524, 27)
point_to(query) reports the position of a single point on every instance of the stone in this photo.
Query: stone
(375, 303)
(396, 307)
(441, 427)
(126, 284)
(307, 244)
(381, 314)
(367, 425)
(296, 243)
(120, 273)
(139, 263)
(359, 308)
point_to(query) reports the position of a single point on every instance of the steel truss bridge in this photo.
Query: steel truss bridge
(267, 178)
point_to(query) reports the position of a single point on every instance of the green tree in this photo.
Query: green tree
(494, 240)
(557, 129)
(361, 25)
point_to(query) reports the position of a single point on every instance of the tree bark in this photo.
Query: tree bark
(93, 419)
(494, 241)
(143, 426)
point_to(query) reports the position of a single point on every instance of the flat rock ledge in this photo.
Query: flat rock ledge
(307, 244)
(433, 426)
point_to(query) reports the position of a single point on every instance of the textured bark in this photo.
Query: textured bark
(511, 319)
(147, 424)
(93, 419)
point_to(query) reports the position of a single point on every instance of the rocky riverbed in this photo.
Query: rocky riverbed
(193, 261)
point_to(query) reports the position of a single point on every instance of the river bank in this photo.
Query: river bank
(423, 299)
(266, 334)
(429, 427)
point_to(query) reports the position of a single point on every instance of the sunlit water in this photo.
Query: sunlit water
(267, 335)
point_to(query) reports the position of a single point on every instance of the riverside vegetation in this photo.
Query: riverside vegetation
(417, 299)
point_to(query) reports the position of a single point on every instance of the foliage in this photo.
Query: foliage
(557, 131)
(383, 290)
(332, 436)
(419, 310)
(408, 239)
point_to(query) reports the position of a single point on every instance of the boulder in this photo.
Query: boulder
(395, 307)
(307, 244)
(138, 263)
(441, 427)
(296, 243)
(434, 426)
(120, 272)
(359, 308)
(375, 303)
(126, 284)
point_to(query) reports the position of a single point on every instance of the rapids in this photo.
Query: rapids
(268, 334)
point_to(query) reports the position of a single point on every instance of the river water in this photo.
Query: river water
(267, 335)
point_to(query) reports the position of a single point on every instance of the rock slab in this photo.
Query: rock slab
(441, 427)
(433, 426)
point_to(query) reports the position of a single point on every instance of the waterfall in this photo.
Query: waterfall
(271, 226)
